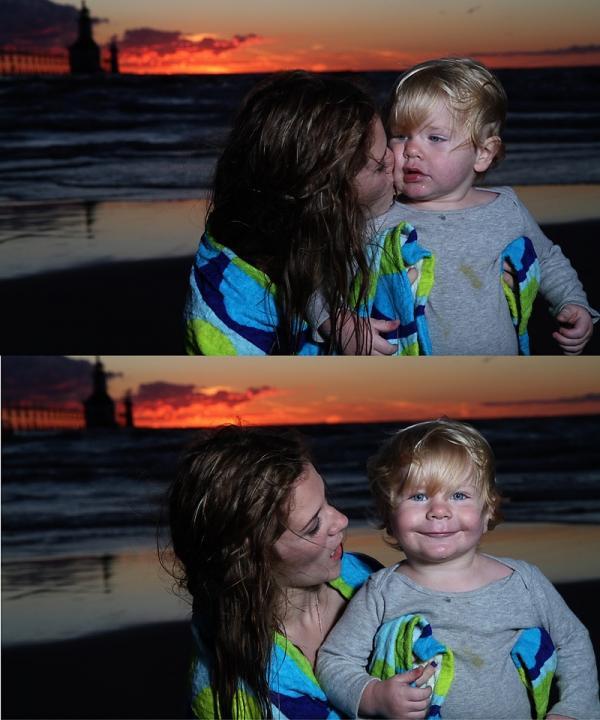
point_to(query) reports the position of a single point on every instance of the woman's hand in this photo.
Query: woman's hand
(372, 342)
(396, 698)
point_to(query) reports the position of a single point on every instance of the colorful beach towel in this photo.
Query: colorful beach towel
(294, 690)
(392, 296)
(407, 642)
(535, 658)
(231, 306)
(521, 256)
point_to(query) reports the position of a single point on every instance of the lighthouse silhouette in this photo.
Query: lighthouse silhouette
(84, 53)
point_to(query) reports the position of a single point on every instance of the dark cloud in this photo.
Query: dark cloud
(586, 398)
(43, 380)
(165, 43)
(38, 24)
(179, 395)
(571, 50)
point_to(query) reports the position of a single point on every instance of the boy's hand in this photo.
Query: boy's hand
(508, 274)
(377, 345)
(396, 698)
(575, 329)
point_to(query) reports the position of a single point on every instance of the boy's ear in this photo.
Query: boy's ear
(486, 152)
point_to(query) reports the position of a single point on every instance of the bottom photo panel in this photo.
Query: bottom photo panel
(300, 538)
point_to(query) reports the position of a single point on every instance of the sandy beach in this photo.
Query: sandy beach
(116, 303)
(140, 671)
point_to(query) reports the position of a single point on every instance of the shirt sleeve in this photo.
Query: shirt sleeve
(576, 671)
(560, 284)
(343, 657)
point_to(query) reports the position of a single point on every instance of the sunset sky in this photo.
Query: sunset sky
(266, 35)
(186, 391)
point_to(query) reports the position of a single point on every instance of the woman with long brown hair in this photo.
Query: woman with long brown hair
(304, 177)
(260, 552)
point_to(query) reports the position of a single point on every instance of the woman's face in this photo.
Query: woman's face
(375, 182)
(309, 552)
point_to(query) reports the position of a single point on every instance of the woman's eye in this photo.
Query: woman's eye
(315, 528)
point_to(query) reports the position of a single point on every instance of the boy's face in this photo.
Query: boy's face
(441, 526)
(436, 162)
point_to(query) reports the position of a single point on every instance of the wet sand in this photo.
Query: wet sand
(135, 307)
(141, 672)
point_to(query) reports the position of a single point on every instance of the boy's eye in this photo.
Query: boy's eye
(436, 138)
(397, 139)
(460, 495)
(418, 497)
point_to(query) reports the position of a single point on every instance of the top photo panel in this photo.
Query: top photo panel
(280, 187)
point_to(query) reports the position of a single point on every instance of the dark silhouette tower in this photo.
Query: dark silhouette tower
(128, 413)
(114, 56)
(84, 53)
(99, 408)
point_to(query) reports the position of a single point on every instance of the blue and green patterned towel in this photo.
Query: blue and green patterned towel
(231, 306)
(521, 256)
(294, 689)
(407, 642)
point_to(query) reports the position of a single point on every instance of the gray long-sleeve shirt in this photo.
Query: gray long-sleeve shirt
(481, 627)
(467, 313)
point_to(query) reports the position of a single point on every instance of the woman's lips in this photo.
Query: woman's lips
(337, 553)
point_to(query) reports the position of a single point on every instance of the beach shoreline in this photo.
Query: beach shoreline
(140, 671)
(135, 307)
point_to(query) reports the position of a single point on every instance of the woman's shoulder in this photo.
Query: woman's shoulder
(356, 569)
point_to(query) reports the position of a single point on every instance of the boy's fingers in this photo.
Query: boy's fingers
(428, 672)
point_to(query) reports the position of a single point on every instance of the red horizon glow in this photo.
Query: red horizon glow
(147, 61)
(164, 415)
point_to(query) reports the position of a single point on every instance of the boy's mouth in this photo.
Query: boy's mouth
(412, 175)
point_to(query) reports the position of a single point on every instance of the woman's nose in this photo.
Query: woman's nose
(339, 522)
(389, 160)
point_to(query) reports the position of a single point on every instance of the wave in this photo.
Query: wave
(119, 131)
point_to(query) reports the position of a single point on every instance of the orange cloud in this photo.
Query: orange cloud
(162, 404)
(147, 50)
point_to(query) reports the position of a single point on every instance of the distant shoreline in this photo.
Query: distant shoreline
(135, 307)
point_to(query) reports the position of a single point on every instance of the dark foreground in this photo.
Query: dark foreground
(134, 308)
(141, 672)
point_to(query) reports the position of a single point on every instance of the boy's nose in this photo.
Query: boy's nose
(411, 149)
(439, 510)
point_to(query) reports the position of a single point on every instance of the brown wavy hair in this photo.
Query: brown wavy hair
(284, 198)
(227, 506)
